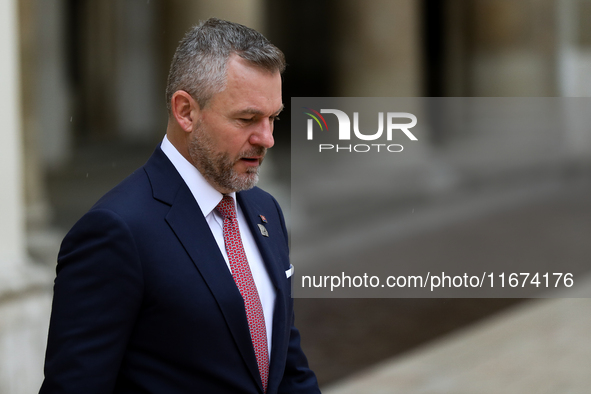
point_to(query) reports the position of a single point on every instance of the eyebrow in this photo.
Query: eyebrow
(254, 111)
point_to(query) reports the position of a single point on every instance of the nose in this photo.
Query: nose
(263, 135)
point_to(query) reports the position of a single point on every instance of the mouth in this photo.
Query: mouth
(253, 157)
(251, 161)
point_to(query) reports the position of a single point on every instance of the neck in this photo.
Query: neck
(179, 141)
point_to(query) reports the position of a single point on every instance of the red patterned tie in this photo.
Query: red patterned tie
(245, 282)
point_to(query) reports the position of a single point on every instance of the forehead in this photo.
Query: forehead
(249, 88)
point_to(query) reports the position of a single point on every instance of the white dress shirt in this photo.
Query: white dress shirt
(208, 198)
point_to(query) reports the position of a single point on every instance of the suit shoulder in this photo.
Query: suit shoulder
(133, 191)
(134, 201)
(129, 208)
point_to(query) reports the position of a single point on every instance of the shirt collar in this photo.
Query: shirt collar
(205, 194)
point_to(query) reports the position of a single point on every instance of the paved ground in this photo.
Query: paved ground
(343, 336)
(540, 346)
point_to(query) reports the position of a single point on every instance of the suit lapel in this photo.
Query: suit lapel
(189, 225)
(252, 211)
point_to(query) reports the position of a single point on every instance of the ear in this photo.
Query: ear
(185, 110)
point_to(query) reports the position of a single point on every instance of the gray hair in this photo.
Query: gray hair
(199, 63)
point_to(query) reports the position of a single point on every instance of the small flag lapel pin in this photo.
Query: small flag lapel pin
(264, 219)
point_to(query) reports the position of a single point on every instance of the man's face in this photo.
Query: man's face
(235, 128)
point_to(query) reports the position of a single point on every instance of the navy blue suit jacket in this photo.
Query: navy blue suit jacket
(144, 302)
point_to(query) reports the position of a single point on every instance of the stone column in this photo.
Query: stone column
(51, 92)
(378, 48)
(511, 48)
(180, 15)
(36, 160)
(379, 54)
(574, 75)
(140, 111)
(12, 239)
(24, 295)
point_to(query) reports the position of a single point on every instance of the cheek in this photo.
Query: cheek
(236, 145)
(228, 139)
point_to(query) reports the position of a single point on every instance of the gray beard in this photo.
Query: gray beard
(218, 168)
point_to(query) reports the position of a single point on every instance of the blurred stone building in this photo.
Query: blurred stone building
(82, 100)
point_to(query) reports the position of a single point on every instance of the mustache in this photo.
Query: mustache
(254, 151)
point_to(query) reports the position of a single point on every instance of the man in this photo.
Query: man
(178, 279)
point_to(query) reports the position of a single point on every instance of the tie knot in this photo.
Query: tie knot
(226, 208)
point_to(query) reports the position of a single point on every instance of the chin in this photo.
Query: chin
(249, 183)
(239, 182)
